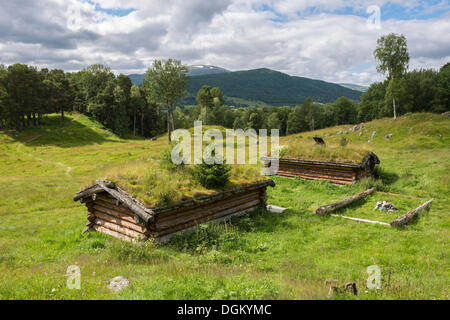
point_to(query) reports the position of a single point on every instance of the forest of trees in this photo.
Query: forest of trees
(26, 94)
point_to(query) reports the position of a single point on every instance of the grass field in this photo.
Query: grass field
(261, 255)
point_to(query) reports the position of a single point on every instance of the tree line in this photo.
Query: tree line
(26, 94)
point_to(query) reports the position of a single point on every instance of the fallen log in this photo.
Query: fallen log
(340, 204)
(361, 220)
(405, 219)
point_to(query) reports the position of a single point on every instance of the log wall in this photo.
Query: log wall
(335, 172)
(107, 215)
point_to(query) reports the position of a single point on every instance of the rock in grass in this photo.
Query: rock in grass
(118, 284)
(385, 206)
(388, 136)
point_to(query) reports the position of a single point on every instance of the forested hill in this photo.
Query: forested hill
(267, 86)
(272, 87)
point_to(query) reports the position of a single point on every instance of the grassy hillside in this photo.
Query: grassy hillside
(271, 87)
(263, 255)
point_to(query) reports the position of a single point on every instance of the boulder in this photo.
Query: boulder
(388, 136)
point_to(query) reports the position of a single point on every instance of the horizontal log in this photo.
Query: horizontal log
(121, 222)
(110, 206)
(317, 175)
(321, 163)
(167, 236)
(114, 213)
(201, 212)
(318, 168)
(114, 227)
(88, 192)
(112, 233)
(340, 204)
(189, 210)
(229, 212)
(405, 219)
(288, 175)
(361, 220)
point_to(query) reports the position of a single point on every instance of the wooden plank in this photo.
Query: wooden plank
(112, 233)
(340, 204)
(361, 220)
(405, 219)
(121, 222)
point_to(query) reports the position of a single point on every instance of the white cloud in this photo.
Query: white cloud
(233, 34)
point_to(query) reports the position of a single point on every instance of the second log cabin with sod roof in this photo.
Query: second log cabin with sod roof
(115, 212)
(339, 172)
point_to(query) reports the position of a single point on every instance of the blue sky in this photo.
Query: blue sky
(421, 10)
(115, 12)
(321, 39)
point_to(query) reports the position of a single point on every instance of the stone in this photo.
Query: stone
(374, 133)
(388, 136)
(117, 284)
(385, 206)
(340, 132)
(360, 134)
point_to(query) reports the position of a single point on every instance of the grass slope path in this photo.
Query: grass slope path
(265, 255)
(68, 169)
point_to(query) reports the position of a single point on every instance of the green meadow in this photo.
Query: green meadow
(262, 255)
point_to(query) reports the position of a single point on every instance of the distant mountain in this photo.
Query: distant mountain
(355, 87)
(270, 87)
(197, 70)
(261, 87)
(201, 70)
(136, 78)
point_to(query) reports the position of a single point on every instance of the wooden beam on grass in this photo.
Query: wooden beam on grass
(405, 219)
(340, 204)
(361, 220)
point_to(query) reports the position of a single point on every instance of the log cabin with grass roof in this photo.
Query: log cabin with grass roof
(114, 211)
(314, 159)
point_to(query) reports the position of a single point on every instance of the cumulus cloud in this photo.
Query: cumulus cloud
(320, 39)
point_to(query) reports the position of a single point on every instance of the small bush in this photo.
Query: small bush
(212, 176)
(343, 142)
